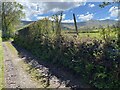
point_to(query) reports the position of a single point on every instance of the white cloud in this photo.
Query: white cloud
(34, 9)
(68, 21)
(116, 19)
(61, 0)
(31, 9)
(86, 17)
(91, 5)
(50, 18)
(105, 18)
(59, 6)
(64, 15)
(40, 17)
(26, 19)
(114, 11)
(50, 0)
(56, 9)
(35, 15)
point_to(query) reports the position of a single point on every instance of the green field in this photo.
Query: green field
(89, 35)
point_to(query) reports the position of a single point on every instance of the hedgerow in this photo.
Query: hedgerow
(97, 61)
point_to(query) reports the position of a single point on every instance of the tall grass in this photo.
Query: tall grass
(1, 65)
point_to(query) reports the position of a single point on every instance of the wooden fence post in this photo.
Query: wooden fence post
(75, 24)
(53, 25)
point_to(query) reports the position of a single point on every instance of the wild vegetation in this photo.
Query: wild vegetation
(96, 61)
(10, 15)
(1, 64)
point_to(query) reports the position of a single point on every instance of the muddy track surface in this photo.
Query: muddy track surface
(15, 76)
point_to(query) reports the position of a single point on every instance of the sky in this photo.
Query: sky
(84, 11)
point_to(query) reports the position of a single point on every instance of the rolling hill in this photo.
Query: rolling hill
(90, 24)
(83, 25)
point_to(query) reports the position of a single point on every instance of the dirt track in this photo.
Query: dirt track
(17, 77)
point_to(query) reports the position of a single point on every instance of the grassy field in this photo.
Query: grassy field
(1, 65)
(94, 34)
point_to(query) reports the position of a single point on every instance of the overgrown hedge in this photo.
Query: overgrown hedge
(97, 62)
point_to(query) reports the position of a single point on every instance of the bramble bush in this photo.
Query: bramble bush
(97, 62)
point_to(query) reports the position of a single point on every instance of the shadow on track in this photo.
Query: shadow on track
(64, 75)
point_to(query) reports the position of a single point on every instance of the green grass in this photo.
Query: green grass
(1, 66)
(91, 35)
(94, 34)
(14, 51)
(34, 74)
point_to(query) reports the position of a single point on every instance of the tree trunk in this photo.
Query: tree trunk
(3, 21)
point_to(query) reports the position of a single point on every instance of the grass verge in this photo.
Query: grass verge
(1, 66)
(14, 51)
(35, 75)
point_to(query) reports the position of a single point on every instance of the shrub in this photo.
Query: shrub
(96, 61)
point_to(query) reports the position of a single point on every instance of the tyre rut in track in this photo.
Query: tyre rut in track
(11, 77)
